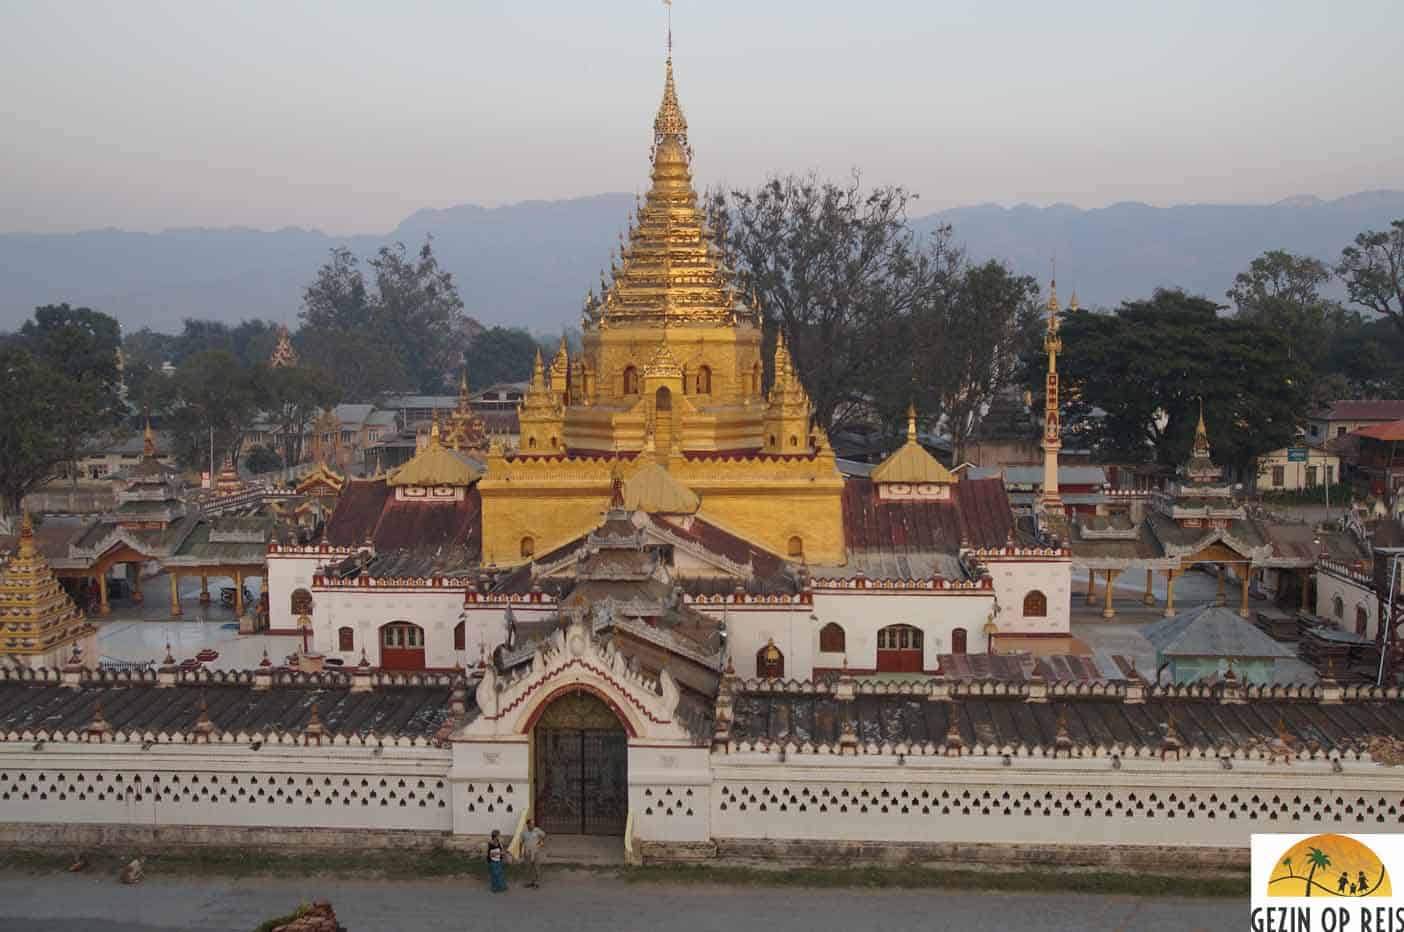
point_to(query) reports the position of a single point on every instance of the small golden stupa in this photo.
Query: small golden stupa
(37, 618)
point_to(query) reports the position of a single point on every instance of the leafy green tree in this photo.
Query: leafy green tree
(500, 354)
(29, 423)
(294, 397)
(839, 271)
(146, 346)
(1283, 292)
(355, 361)
(261, 460)
(1147, 366)
(1373, 271)
(411, 309)
(1365, 359)
(213, 393)
(82, 346)
(202, 336)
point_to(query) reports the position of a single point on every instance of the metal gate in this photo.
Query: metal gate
(581, 768)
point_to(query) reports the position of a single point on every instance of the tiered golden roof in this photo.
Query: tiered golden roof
(284, 355)
(670, 272)
(36, 615)
(435, 466)
(652, 489)
(465, 431)
(911, 463)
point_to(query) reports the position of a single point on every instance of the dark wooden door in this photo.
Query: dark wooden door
(581, 780)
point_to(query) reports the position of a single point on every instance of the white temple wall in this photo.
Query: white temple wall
(977, 800)
(287, 572)
(235, 786)
(751, 627)
(670, 793)
(491, 783)
(862, 612)
(1015, 579)
(1354, 595)
(366, 610)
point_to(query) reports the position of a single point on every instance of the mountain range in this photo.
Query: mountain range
(529, 264)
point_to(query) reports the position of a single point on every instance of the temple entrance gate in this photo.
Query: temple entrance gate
(580, 762)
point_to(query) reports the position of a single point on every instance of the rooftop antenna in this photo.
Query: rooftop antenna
(668, 5)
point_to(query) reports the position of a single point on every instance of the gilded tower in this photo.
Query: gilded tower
(669, 374)
(1050, 501)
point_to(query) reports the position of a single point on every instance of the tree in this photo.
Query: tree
(968, 340)
(360, 366)
(1316, 858)
(213, 393)
(30, 421)
(1148, 365)
(1373, 272)
(1283, 292)
(261, 460)
(500, 354)
(202, 336)
(836, 269)
(295, 395)
(412, 310)
(146, 346)
(82, 346)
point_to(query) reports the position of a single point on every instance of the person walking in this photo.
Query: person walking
(533, 841)
(497, 862)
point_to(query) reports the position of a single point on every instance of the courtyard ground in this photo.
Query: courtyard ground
(575, 900)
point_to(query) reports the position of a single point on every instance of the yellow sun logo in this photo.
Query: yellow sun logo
(1328, 865)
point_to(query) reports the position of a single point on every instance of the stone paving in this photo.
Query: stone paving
(576, 901)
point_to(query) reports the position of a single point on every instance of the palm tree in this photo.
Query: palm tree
(1287, 863)
(1316, 858)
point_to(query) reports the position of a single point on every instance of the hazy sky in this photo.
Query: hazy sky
(349, 115)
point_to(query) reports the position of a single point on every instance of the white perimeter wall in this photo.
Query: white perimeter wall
(1015, 579)
(277, 787)
(1353, 595)
(974, 800)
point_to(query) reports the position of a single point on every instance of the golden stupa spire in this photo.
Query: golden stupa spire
(1201, 434)
(148, 440)
(911, 423)
(39, 616)
(26, 541)
(434, 429)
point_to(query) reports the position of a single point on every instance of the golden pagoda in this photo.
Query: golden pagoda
(38, 621)
(284, 356)
(464, 430)
(669, 373)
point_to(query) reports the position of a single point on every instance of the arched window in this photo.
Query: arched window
(554, 443)
(1035, 605)
(631, 380)
(899, 649)
(958, 641)
(528, 546)
(794, 441)
(345, 639)
(770, 663)
(756, 379)
(704, 380)
(1362, 619)
(796, 547)
(663, 399)
(460, 641)
(301, 602)
(1338, 607)
(402, 635)
(831, 639)
(531, 443)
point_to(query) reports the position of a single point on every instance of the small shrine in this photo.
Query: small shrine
(41, 624)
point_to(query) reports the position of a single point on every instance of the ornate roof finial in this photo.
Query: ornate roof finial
(148, 440)
(616, 486)
(911, 423)
(1072, 302)
(670, 122)
(26, 542)
(1201, 434)
(434, 428)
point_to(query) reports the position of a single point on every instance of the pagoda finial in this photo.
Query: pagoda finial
(911, 422)
(1201, 433)
(1053, 286)
(148, 440)
(1072, 302)
(26, 542)
(434, 429)
(538, 371)
(670, 122)
(463, 384)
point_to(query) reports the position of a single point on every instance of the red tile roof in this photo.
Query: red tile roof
(1376, 409)
(977, 513)
(1391, 431)
(725, 544)
(368, 509)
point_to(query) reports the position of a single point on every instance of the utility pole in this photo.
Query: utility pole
(212, 471)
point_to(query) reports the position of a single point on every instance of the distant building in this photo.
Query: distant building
(1345, 417)
(1278, 471)
(1213, 643)
(109, 458)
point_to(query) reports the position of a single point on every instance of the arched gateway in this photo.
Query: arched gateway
(580, 766)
